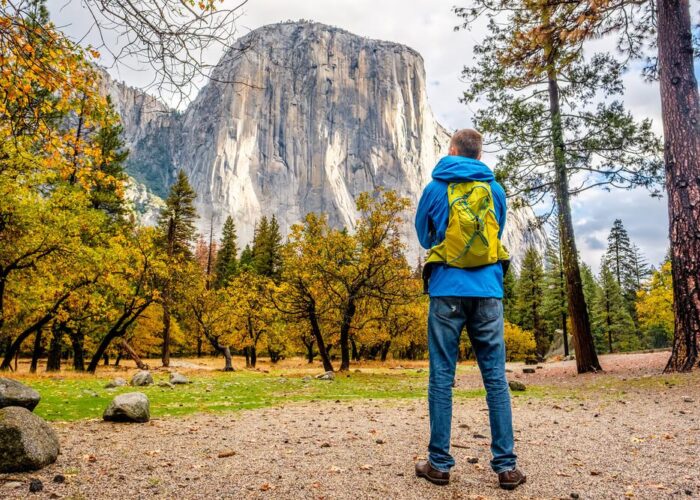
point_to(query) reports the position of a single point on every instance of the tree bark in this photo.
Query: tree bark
(310, 354)
(586, 357)
(226, 351)
(165, 353)
(322, 351)
(348, 316)
(76, 339)
(133, 355)
(385, 350)
(36, 352)
(53, 363)
(355, 352)
(680, 109)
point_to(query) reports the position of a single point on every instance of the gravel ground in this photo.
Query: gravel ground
(596, 443)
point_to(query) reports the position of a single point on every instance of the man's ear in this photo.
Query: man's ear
(452, 151)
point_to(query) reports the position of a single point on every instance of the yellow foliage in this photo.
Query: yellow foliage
(519, 343)
(655, 301)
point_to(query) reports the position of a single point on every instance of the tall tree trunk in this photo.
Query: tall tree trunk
(253, 356)
(36, 352)
(385, 350)
(348, 316)
(680, 108)
(586, 357)
(355, 353)
(76, 339)
(310, 354)
(608, 321)
(165, 353)
(133, 355)
(53, 363)
(322, 351)
(226, 351)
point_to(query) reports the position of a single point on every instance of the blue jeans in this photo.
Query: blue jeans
(483, 318)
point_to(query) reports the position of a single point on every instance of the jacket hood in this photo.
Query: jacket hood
(462, 169)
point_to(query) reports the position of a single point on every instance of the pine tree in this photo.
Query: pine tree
(641, 270)
(510, 281)
(176, 228)
(554, 305)
(267, 244)
(246, 261)
(528, 302)
(619, 257)
(113, 154)
(227, 258)
(611, 316)
(550, 113)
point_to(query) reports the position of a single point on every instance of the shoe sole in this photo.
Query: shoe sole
(512, 486)
(438, 482)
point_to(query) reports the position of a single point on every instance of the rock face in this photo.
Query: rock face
(13, 393)
(114, 383)
(129, 407)
(309, 117)
(26, 441)
(142, 378)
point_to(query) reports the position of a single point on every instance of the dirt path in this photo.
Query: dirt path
(600, 444)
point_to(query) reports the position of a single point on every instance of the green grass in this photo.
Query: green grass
(76, 398)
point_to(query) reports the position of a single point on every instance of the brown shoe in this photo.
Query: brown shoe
(511, 479)
(426, 471)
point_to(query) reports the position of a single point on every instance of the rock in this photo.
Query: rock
(326, 376)
(306, 379)
(325, 445)
(574, 495)
(528, 370)
(380, 441)
(116, 382)
(163, 383)
(178, 378)
(276, 146)
(142, 378)
(12, 485)
(13, 393)
(27, 442)
(59, 478)
(129, 407)
(35, 486)
(516, 386)
(473, 460)
(688, 400)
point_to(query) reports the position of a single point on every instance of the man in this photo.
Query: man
(466, 290)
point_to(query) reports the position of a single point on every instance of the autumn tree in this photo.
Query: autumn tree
(176, 226)
(655, 307)
(550, 114)
(301, 296)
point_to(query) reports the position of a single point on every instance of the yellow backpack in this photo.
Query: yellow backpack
(471, 238)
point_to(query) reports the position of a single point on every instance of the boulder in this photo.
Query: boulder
(516, 386)
(142, 378)
(528, 370)
(163, 383)
(27, 442)
(116, 382)
(129, 407)
(13, 393)
(326, 376)
(178, 378)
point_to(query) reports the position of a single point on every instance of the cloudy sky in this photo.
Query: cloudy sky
(427, 26)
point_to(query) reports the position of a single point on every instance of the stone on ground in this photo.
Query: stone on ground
(27, 442)
(528, 370)
(326, 376)
(516, 386)
(116, 382)
(178, 378)
(129, 407)
(13, 393)
(142, 378)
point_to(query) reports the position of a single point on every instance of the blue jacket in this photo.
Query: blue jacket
(431, 223)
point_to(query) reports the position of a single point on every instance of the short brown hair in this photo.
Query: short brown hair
(468, 142)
